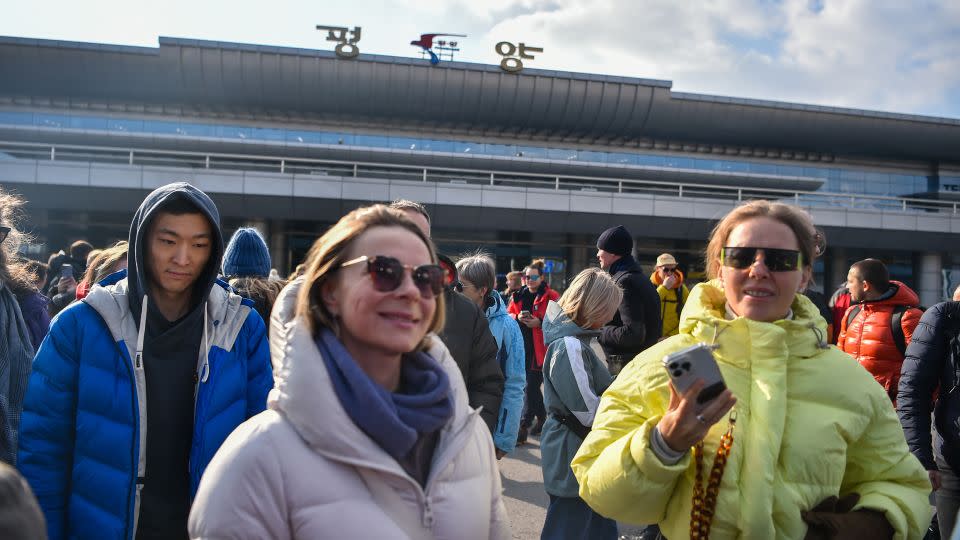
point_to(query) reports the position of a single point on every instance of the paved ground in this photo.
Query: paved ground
(524, 496)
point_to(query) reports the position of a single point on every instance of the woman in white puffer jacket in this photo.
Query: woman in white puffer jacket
(368, 432)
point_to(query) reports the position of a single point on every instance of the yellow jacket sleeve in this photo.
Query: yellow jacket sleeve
(886, 475)
(620, 477)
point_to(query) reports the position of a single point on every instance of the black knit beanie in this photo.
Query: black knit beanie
(616, 240)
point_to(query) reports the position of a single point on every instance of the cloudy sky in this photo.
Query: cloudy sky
(887, 55)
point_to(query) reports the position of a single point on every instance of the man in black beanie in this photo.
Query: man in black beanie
(636, 324)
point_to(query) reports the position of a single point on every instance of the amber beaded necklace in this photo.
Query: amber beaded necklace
(704, 504)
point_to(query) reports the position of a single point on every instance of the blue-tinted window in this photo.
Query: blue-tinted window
(20, 118)
(404, 143)
(267, 134)
(302, 137)
(123, 124)
(234, 132)
(52, 120)
(463, 147)
(159, 126)
(373, 141)
(88, 122)
(197, 130)
(651, 161)
(531, 152)
(562, 154)
(331, 137)
(591, 156)
(621, 158)
(500, 149)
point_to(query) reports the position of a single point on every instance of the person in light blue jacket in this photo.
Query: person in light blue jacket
(575, 374)
(478, 277)
(136, 386)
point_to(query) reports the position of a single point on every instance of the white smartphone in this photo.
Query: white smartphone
(697, 362)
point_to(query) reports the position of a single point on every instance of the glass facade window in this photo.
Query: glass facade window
(837, 179)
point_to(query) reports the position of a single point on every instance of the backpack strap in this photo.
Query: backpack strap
(896, 316)
(679, 300)
(854, 311)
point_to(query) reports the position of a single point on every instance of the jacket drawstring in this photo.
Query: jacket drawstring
(141, 332)
(205, 366)
(821, 340)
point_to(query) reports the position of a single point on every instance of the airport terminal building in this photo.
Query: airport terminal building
(528, 164)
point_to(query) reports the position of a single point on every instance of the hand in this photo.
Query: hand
(670, 281)
(935, 479)
(66, 284)
(500, 453)
(532, 322)
(682, 426)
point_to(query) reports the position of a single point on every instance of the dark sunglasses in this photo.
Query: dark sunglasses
(387, 274)
(4, 231)
(776, 260)
(532, 278)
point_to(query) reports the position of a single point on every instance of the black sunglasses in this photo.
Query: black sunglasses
(4, 231)
(776, 260)
(387, 274)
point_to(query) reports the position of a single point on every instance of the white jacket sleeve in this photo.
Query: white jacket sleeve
(241, 493)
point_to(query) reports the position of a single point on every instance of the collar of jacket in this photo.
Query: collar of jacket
(624, 264)
(558, 325)
(704, 318)
(898, 294)
(303, 393)
(226, 312)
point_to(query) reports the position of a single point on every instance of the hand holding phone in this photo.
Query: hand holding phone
(699, 397)
(688, 365)
(66, 271)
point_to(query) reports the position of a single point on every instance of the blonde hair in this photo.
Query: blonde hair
(329, 252)
(103, 263)
(592, 296)
(811, 241)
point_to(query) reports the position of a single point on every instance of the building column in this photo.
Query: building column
(838, 270)
(930, 280)
(279, 253)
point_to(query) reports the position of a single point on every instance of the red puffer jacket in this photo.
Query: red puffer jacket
(869, 338)
(544, 295)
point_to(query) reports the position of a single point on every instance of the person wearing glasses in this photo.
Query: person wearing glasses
(801, 442)
(528, 307)
(368, 432)
(24, 322)
(668, 279)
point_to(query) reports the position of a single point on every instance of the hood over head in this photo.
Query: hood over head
(154, 203)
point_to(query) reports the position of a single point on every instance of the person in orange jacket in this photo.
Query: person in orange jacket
(868, 331)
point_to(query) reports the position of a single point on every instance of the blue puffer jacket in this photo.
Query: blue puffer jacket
(932, 364)
(83, 433)
(510, 355)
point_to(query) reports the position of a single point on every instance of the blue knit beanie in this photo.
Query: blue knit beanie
(246, 255)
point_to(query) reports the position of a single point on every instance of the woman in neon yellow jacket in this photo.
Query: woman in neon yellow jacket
(815, 445)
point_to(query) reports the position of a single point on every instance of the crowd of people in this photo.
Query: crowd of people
(174, 386)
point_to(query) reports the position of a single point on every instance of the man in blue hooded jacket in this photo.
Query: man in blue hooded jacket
(136, 387)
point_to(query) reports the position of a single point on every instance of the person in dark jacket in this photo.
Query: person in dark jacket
(636, 325)
(23, 324)
(62, 290)
(466, 334)
(932, 362)
(136, 386)
(20, 515)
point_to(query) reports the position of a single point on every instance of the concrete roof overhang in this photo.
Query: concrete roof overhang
(465, 97)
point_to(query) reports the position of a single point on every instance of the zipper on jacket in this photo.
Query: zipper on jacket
(427, 513)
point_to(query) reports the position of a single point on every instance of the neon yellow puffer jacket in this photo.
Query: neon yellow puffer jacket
(811, 423)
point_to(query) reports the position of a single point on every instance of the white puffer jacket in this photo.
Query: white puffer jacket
(303, 469)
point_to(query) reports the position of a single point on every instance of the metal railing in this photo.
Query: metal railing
(10, 150)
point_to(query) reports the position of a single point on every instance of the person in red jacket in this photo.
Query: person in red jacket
(869, 336)
(529, 306)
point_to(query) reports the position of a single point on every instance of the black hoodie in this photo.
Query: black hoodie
(170, 356)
